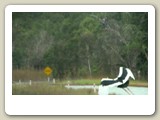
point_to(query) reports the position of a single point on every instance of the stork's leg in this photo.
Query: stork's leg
(130, 91)
(126, 91)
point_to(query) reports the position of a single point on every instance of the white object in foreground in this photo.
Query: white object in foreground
(121, 81)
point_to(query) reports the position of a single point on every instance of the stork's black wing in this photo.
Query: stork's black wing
(108, 82)
(124, 85)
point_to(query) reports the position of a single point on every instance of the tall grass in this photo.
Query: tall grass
(28, 74)
(38, 75)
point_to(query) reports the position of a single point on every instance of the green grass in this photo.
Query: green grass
(38, 75)
(45, 88)
(143, 83)
(48, 89)
(81, 82)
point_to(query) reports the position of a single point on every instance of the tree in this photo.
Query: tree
(81, 44)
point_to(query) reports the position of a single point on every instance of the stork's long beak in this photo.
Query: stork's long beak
(130, 74)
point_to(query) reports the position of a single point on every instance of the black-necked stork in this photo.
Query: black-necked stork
(121, 81)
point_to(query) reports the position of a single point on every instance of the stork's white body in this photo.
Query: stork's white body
(104, 89)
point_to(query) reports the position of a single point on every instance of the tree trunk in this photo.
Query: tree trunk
(89, 67)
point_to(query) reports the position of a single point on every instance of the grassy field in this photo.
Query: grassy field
(48, 88)
(142, 83)
(38, 75)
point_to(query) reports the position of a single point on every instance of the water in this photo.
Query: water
(114, 90)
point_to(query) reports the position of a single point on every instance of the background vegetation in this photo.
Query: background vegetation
(79, 45)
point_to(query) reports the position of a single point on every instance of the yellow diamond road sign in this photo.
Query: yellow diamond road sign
(48, 71)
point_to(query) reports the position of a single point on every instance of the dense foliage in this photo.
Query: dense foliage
(79, 45)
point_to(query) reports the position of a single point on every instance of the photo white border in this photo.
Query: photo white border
(79, 104)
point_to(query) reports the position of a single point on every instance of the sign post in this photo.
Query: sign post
(48, 71)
